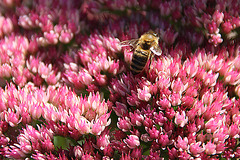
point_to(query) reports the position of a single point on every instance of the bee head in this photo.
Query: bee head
(148, 39)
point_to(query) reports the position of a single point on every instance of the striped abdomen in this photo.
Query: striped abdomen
(139, 60)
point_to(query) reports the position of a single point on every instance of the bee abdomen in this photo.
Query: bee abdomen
(139, 61)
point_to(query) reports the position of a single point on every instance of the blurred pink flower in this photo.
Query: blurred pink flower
(132, 141)
(181, 119)
(209, 148)
(144, 94)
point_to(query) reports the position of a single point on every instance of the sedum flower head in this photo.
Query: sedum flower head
(67, 90)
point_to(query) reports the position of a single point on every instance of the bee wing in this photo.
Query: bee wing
(132, 43)
(156, 50)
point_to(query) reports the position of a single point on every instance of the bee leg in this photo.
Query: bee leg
(151, 57)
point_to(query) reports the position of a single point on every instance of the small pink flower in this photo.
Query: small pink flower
(133, 100)
(191, 128)
(174, 68)
(41, 41)
(214, 63)
(170, 113)
(172, 153)
(25, 144)
(218, 17)
(184, 155)
(45, 23)
(191, 114)
(44, 70)
(101, 79)
(82, 125)
(112, 44)
(181, 119)
(132, 141)
(5, 70)
(37, 80)
(164, 140)
(12, 118)
(120, 109)
(51, 37)
(163, 82)
(84, 57)
(165, 8)
(144, 94)
(160, 119)
(15, 153)
(169, 36)
(236, 22)
(136, 153)
(210, 148)
(114, 67)
(136, 118)
(103, 141)
(200, 108)
(53, 78)
(32, 133)
(65, 36)
(105, 120)
(20, 79)
(97, 128)
(227, 27)
(182, 144)
(236, 119)
(178, 86)
(124, 124)
(220, 135)
(78, 152)
(128, 56)
(220, 148)
(212, 28)
(164, 103)
(145, 137)
(26, 118)
(148, 122)
(153, 133)
(175, 99)
(195, 148)
(4, 140)
(73, 78)
(232, 77)
(123, 85)
(47, 144)
(25, 22)
(207, 98)
(215, 39)
(210, 79)
(187, 101)
(32, 64)
(234, 131)
(213, 124)
(191, 67)
(87, 156)
(8, 26)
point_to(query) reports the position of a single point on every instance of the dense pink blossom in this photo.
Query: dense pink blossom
(67, 91)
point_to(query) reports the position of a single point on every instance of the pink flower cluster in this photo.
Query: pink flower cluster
(67, 91)
(97, 63)
(183, 107)
(62, 110)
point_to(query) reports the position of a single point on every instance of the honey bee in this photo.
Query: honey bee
(145, 48)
